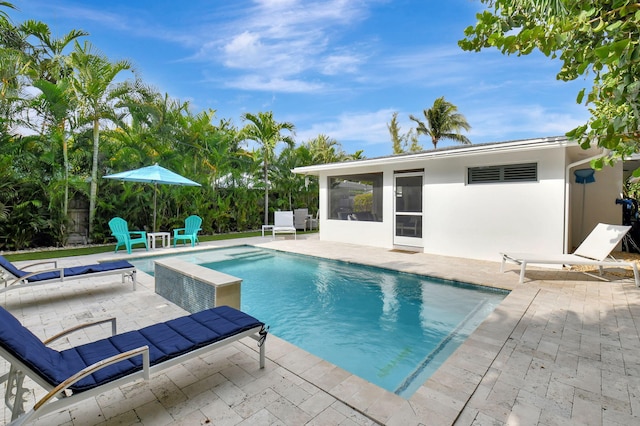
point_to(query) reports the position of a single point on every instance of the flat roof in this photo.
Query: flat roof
(457, 150)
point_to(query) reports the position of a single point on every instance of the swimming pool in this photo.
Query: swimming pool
(392, 329)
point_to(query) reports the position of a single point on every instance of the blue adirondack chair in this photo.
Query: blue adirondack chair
(189, 232)
(124, 237)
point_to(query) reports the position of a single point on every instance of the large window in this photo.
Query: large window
(356, 197)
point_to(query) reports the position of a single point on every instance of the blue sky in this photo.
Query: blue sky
(336, 67)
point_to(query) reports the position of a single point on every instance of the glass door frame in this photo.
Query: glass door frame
(401, 233)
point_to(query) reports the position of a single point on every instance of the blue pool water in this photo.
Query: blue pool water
(392, 329)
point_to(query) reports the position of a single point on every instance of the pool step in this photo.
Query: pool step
(251, 255)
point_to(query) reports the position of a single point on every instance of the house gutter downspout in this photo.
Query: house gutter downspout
(567, 182)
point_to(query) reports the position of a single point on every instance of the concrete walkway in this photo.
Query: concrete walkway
(563, 348)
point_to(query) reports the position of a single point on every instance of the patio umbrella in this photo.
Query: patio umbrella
(156, 175)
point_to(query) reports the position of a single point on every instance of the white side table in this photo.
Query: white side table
(266, 228)
(164, 237)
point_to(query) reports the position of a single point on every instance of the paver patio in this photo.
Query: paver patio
(562, 348)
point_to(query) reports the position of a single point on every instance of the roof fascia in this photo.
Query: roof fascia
(515, 146)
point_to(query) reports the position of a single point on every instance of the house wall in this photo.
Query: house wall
(377, 234)
(479, 221)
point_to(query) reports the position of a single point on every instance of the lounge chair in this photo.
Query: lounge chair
(14, 277)
(189, 232)
(124, 237)
(75, 374)
(283, 224)
(595, 250)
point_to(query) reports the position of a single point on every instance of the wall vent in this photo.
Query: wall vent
(506, 173)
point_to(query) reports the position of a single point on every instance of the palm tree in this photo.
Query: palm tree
(13, 66)
(93, 84)
(325, 149)
(443, 122)
(264, 130)
(10, 36)
(55, 106)
(400, 142)
(47, 55)
(292, 186)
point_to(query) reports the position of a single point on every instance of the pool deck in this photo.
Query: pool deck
(562, 348)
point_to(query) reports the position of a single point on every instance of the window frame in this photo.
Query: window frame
(343, 206)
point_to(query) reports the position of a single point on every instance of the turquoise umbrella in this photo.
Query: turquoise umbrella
(156, 175)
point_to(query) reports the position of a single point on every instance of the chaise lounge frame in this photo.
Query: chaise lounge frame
(595, 250)
(12, 281)
(60, 397)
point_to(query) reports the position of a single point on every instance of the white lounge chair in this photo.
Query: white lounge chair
(283, 224)
(595, 250)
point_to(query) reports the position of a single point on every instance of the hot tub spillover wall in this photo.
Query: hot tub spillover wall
(194, 287)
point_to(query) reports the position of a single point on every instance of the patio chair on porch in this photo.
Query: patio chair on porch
(124, 237)
(189, 232)
(314, 222)
(75, 374)
(300, 217)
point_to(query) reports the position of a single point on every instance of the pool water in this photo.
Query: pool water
(392, 329)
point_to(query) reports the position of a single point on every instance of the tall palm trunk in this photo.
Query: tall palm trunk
(266, 193)
(65, 158)
(93, 193)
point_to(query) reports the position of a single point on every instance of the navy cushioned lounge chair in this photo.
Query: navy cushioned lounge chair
(21, 278)
(84, 371)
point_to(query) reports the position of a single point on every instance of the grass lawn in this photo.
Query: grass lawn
(81, 251)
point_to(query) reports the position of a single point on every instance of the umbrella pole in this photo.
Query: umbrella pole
(155, 203)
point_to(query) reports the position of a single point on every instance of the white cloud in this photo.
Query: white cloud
(365, 127)
(285, 38)
(266, 84)
(244, 51)
(495, 123)
(340, 64)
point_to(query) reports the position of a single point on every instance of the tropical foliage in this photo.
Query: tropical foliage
(599, 39)
(69, 115)
(264, 130)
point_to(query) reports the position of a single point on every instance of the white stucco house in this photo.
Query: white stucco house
(470, 201)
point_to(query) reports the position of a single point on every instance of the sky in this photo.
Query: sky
(335, 67)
